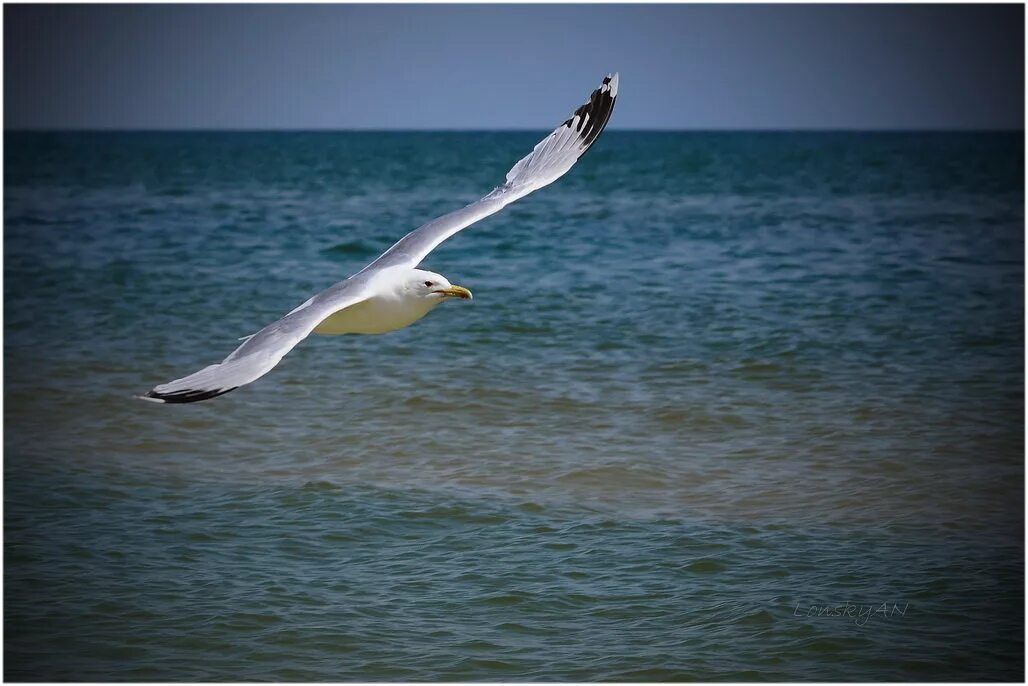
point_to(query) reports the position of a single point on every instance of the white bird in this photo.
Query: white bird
(391, 293)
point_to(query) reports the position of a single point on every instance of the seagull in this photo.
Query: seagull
(392, 293)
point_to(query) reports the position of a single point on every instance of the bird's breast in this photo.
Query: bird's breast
(376, 315)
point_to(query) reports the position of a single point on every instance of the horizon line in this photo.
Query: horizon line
(814, 129)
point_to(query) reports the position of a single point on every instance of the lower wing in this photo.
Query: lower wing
(261, 351)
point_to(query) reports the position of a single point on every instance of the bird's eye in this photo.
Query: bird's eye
(429, 284)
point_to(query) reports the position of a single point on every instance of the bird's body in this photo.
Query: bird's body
(392, 307)
(392, 293)
(379, 314)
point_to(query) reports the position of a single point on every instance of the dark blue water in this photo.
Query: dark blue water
(725, 406)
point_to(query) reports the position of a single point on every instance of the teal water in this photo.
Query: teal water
(718, 400)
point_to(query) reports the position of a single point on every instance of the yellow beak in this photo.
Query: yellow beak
(456, 292)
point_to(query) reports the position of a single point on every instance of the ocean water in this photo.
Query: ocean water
(725, 406)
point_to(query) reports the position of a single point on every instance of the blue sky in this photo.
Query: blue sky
(512, 66)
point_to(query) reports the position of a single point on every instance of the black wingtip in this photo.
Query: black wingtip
(186, 396)
(598, 109)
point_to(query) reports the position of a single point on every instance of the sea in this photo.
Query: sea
(737, 406)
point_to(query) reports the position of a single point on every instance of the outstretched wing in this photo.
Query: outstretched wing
(263, 350)
(548, 161)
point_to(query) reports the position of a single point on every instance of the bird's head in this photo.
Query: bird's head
(435, 286)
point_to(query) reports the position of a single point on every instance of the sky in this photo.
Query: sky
(512, 66)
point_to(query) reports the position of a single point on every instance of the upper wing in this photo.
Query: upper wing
(263, 350)
(548, 161)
